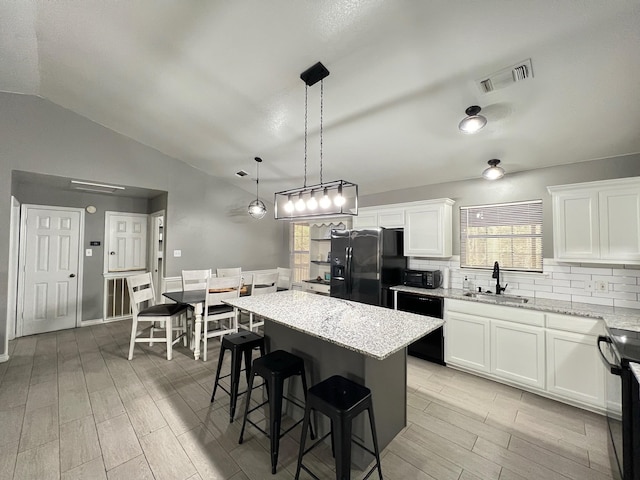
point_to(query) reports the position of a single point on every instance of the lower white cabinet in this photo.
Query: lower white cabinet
(518, 353)
(467, 341)
(575, 368)
(548, 353)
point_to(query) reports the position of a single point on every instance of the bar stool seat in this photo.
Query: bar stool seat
(275, 368)
(341, 400)
(240, 344)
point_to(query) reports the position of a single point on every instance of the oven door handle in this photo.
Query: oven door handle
(615, 369)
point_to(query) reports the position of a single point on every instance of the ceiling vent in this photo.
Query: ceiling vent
(507, 76)
(242, 173)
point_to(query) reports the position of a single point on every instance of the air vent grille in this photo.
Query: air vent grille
(242, 173)
(507, 76)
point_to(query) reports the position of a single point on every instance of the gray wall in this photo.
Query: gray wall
(206, 217)
(529, 185)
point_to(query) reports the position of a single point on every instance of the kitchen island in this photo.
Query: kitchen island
(362, 342)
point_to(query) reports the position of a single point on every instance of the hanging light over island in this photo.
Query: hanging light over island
(326, 199)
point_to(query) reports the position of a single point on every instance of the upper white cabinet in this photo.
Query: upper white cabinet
(427, 225)
(597, 222)
(428, 229)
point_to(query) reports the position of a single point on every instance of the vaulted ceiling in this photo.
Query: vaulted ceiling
(216, 83)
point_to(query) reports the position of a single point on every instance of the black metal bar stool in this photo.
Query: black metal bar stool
(341, 400)
(241, 343)
(275, 368)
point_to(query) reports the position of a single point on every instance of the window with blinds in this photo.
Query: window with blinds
(508, 233)
(299, 251)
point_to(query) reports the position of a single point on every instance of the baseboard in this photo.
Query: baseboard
(4, 358)
(95, 321)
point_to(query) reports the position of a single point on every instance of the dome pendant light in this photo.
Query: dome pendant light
(257, 208)
(494, 172)
(473, 122)
(326, 199)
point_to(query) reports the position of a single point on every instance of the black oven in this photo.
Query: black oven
(618, 349)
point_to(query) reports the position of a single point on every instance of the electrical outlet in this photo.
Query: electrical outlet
(589, 286)
(602, 286)
(177, 253)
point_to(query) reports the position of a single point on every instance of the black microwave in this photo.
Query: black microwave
(422, 278)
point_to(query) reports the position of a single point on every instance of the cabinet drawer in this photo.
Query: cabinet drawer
(314, 287)
(571, 323)
(499, 312)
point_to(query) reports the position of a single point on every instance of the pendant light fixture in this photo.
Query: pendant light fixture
(326, 199)
(257, 208)
(494, 172)
(473, 122)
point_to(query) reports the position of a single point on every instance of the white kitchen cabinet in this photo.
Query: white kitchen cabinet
(518, 353)
(428, 229)
(372, 217)
(574, 367)
(597, 222)
(466, 341)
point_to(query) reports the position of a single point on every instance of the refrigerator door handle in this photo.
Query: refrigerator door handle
(348, 255)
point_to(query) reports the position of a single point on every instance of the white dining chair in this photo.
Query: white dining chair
(262, 284)
(285, 278)
(195, 279)
(217, 312)
(141, 291)
(228, 272)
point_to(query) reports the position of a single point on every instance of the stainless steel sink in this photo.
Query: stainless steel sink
(498, 298)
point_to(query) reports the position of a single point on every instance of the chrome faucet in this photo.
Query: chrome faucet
(496, 275)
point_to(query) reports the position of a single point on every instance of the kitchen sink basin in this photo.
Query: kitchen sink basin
(498, 298)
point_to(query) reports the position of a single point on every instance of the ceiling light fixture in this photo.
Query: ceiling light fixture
(257, 208)
(473, 122)
(494, 172)
(326, 199)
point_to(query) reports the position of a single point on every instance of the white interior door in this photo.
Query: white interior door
(50, 269)
(127, 241)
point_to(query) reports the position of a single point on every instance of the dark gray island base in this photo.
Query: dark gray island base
(364, 343)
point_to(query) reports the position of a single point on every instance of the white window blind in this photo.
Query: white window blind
(508, 233)
(299, 251)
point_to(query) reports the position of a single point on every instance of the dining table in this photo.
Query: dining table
(196, 299)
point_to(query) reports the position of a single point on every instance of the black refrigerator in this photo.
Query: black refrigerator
(365, 263)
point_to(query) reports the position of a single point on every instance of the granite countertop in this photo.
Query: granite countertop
(614, 317)
(373, 331)
(635, 368)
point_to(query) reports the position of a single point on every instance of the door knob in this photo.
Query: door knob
(112, 253)
(72, 275)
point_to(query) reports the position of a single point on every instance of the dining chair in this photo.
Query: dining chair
(218, 289)
(195, 279)
(285, 278)
(262, 283)
(228, 272)
(145, 309)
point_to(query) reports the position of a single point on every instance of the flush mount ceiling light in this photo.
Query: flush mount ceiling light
(257, 208)
(494, 172)
(326, 199)
(473, 122)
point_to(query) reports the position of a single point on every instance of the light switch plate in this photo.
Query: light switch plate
(177, 253)
(88, 252)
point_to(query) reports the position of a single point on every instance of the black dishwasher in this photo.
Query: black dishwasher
(431, 346)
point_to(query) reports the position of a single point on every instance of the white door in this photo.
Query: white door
(50, 269)
(126, 241)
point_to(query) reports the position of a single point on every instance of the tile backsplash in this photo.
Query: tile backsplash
(612, 285)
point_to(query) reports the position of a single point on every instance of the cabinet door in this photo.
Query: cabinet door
(391, 218)
(428, 231)
(575, 226)
(466, 341)
(365, 219)
(574, 368)
(620, 224)
(517, 353)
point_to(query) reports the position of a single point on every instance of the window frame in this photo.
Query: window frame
(299, 270)
(534, 209)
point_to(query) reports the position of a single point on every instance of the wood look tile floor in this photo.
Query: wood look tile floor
(73, 407)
